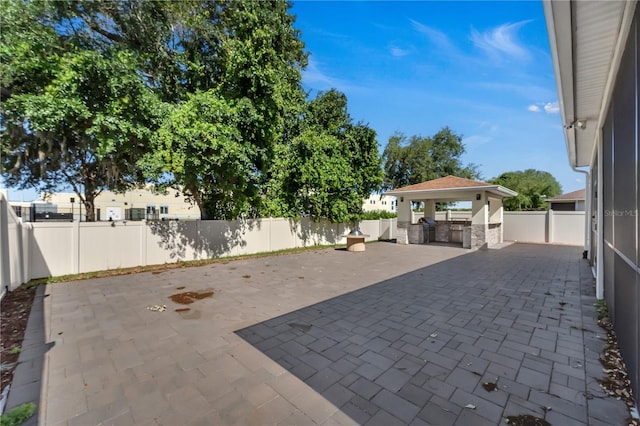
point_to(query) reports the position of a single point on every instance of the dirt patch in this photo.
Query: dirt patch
(188, 297)
(246, 276)
(490, 387)
(183, 309)
(14, 315)
(180, 288)
(526, 420)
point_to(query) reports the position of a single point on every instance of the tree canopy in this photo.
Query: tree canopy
(533, 187)
(84, 82)
(71, 114)
(243, 73)
(415, 159)
(327, 167)
(203, 96)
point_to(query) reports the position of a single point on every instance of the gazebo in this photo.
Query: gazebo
(483, 230)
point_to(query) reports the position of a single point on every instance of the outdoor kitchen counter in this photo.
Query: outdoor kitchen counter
(450, 230)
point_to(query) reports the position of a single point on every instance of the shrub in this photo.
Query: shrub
(377, 214)
(18, 415)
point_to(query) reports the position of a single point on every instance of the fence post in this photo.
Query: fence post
(75, 247)
(27, 232)
(550, 228)
(143, 242)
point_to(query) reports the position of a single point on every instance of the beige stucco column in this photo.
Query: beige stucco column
(430, 208)
(404, 219)
(479, 220)
(496, 216)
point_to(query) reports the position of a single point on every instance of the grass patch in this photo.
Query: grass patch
(176, 265)
(18, 415)
(15, 350)
(601, 308)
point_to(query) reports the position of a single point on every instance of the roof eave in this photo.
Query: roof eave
(495, 189)
(559, 27)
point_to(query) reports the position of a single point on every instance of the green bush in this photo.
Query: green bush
(377, 214)
(18, 415)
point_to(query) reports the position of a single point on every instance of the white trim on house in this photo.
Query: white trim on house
(494, 189)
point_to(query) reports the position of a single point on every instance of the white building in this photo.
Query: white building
(137, 204)
(377, 202)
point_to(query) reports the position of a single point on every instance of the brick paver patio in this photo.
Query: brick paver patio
(394, 335)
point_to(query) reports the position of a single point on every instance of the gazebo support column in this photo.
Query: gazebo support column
(404, 220)
(479, 221)
(430, 208)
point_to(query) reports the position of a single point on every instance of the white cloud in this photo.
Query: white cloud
(438, 38)
(551, 108)
(398, 52)
(548, 107)
(314, 76)
(476, 140)
(501, 40)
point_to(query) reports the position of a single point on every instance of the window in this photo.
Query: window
(164, 209)
(151, 209)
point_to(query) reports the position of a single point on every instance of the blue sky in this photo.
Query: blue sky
(482, 68)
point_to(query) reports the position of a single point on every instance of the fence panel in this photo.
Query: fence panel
(568, 228)
(525, 226)
(545, 227)
(62, 248)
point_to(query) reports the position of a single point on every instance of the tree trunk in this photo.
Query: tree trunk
(88, 201)
(204, 214)
(90, 210)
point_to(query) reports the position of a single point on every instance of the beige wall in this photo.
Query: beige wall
(545, 227)
(525, 226)
(63, 248)
(568, 228)
(177, 205)
(446, 215)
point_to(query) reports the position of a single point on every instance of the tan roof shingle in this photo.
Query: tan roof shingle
(447, 182)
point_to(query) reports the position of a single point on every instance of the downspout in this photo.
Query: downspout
(587, 212)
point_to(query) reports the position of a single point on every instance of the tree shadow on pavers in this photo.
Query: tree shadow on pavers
(28, 375)
(419, 347)
(198, 239)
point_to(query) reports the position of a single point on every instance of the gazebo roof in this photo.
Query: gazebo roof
(450, 184)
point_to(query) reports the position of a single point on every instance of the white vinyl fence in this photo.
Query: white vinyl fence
(43, 249)
(12, 264)
(545, 227)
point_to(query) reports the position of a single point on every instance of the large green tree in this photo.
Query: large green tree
(327, 168)
(243, 65)
(416, 159)
(533, 187)
(72, 114)
(241, 56)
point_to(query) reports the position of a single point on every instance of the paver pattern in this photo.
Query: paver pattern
(394, 335)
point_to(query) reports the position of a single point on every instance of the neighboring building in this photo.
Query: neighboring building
(377, 202)
(595, 45)
(133, 205)
(570, 202)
